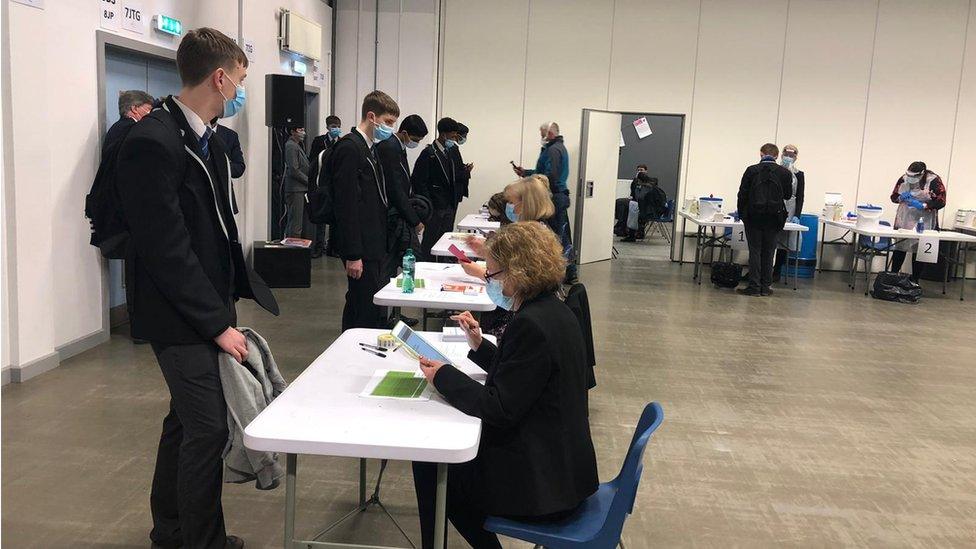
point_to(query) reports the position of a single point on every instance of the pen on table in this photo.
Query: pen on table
(381, 355)
(373, 347)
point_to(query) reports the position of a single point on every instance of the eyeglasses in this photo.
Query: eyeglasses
(489, 276)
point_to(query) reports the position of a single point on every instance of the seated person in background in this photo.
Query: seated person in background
(496, 209)
(920, 194)
(794, 207)
(535, 459)
(647, 202)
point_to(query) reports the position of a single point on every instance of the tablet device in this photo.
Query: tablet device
(417, 345)
(458, 254)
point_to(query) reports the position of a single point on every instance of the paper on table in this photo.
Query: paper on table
(397, 385)
(642, 127)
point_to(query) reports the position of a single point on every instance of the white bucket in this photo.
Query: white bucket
(708, 207)
(868, 216)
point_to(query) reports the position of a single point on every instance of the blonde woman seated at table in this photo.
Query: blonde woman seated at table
(535, 460)
(527, 199)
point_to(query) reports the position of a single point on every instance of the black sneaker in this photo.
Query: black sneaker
(629, 239)
(767, 291)
(750, 291)
(234, 542)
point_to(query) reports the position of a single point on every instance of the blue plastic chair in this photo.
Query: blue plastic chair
(661, 222)
(599, 521)
(880, 246)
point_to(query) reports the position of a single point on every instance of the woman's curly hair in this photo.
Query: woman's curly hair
(531, 257)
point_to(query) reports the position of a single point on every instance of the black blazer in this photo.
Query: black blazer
(360, 200)
(463, 177)
(435, 176)
(536, 456)
(232, 144)
(186, 267)
(801, 183)
(782, 176)
(396, 169)
(114, 135)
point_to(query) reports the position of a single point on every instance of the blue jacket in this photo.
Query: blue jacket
(553, 163)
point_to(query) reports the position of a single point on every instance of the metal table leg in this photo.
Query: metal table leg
(681, 245)
(440, 508)
(698, 245)
(291, 468)
(425, 318)
(362, 481)
(823, 237)
(868, 260)
(962, 281)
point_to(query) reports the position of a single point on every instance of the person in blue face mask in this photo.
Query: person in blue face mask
(186, 269)
(437, 176)
(536, 458)
(333, 131)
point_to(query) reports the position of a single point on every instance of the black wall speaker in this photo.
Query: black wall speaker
(284, 100)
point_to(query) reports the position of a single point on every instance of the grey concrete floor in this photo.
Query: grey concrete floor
(816, 418)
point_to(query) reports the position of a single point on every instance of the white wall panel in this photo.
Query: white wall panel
(417, 64)
(914, 86)
(568, 69)
(961, 178)
(483, 79)
(736, 92)
(824, 97)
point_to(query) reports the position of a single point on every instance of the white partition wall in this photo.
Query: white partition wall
(808, 72)
(914, 87)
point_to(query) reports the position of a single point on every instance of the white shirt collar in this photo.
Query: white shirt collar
(197, 124)
(369, 140)
(440, 146)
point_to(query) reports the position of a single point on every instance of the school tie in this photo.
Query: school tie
(205, 143)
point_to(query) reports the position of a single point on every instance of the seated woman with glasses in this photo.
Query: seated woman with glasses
(535, 460)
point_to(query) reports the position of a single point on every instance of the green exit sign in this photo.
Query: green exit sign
(169, 25)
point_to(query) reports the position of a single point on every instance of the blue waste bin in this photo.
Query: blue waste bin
(806, 258)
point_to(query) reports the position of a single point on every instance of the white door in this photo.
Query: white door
(597, 189)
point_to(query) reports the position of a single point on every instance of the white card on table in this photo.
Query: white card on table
(928, 249)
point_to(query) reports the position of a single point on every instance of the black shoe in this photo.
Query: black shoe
(629, 239)
(234, 542)
(137, 341)
(750, 291)
(767, 291)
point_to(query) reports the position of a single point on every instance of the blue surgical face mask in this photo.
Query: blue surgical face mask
(788, 161)
(233, 105)
(450, 143)
(335, 132)
(510, 213)
(382, 132)
(913, 179)
(498, 297)
(411, 144)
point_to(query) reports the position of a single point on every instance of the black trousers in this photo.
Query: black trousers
(762, 247)
(462, 504)
(319, 242)
(186, 487)
(898, 259)
(360, 311)
(440, 222)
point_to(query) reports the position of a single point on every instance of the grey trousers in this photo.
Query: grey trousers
(295, 204)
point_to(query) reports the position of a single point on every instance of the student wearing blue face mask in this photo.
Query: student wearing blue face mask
(184, 272)
(535, 459)
(333, 131)
(436, 176)
(320, 144)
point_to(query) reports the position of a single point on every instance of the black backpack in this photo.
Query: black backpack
(766, 194)
(320, 197)
(726, 275)
(103, 207)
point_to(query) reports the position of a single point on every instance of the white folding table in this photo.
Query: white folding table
(713, 239)
(322, 413)
(440, 248)
(431, 296)
(478, 222)
(867, 250)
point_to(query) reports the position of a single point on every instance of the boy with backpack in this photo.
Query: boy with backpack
(761, 206)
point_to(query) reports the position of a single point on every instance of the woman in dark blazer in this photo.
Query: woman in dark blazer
(536, 459)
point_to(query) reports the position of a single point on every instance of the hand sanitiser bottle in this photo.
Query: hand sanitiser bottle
(920, 226)
(409, 264)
